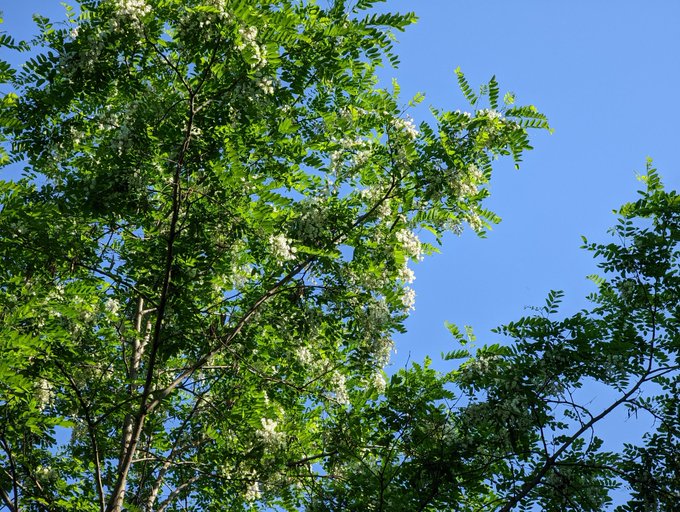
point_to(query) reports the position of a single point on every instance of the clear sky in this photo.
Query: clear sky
(605, 73)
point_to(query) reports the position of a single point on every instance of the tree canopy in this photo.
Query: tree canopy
(209, 250)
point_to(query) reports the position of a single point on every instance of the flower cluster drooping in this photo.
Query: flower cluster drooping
(253, 492)
(281, 248)
(134, 9)
(339, 388)
(269, 435)
(378, 381)
(382, 350)
(128, 14)
(266, 85)
(410, 243)
(408, 298)
(375, 198)
(221, 6)
(405, 274)
(44, 393)
(407, 126)
(112, 306)
(248, 36)
(313, 222)
(357, 147)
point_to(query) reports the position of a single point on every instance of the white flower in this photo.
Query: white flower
(221, 5)
(45, 473)
(248, 36)
(410, 243)
(240, 275)
(269, 435)
(382, 350)
(491, 114)
(361, 157)
(408, 298)
(384, 209)
(378, 381)
(407, 126)
(112, 306)
(475, 173)
(475, 222)
(406, 274)
(281, 248)
(266, 85)
(377, 315)
(312, 222)
(249, 40)
(466, 189)
(43, 393)
(338, 382)
(253, 492)
(305, 356)
(133, 8)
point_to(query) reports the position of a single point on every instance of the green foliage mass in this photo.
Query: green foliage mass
(208, 251)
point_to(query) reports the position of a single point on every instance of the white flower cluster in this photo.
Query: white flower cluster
(382, 350)
(405, 274)
(339, 385)
(361, 157)
(112, 306)
(357, 145)
(132, 8)
(281, 248)
(407, 125)
(240, 275)
(129, 14)
(378, 381)
(374, 194)
(491, 114)
(266, 85)
(464, 188)
(476, 174)
(269, 435)
(45, 473)
(252, 492)
(221, 6)
(475, 222)
(43, 393)
(377, 315)
(313, 221)
(304, 355)
(248, 36)
(408, 298)
(480, 366)
(410, 243)
(195, 22)
(122, 139)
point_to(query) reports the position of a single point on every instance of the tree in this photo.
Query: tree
(208, 250)
(508, 428)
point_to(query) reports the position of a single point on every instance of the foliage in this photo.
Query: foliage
(208, 250)
(511, 428)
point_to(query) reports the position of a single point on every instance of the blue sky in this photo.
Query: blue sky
(605, 73)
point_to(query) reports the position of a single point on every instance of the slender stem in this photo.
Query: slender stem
(118, 494)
